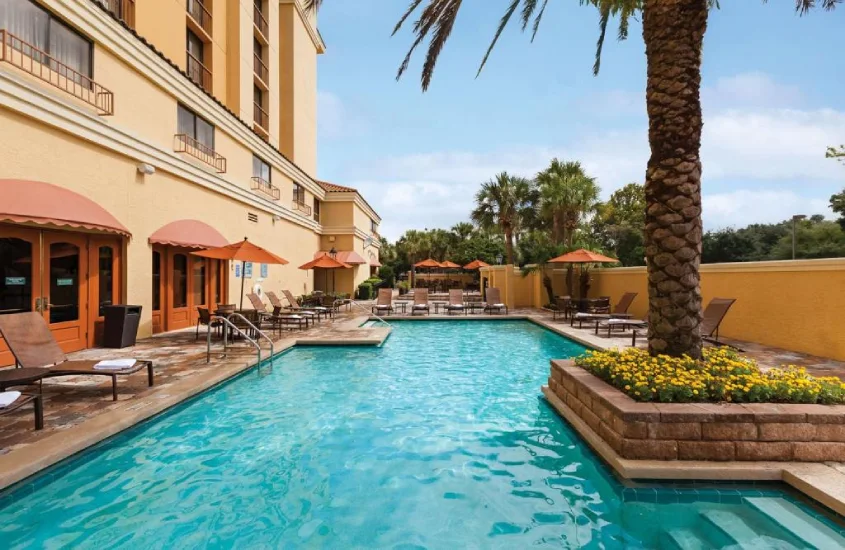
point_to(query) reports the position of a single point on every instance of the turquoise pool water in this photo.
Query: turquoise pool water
(438, 439)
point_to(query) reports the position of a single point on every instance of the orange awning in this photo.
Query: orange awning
(325, 262)
(346, 256)
(375, 263)
(190, 234)
(24, 201)
(427, 263)
(242, 251)
(582, 256)
(476, 264)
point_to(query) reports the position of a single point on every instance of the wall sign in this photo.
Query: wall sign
(237, 271)
(248, 270)
(64, 282)
(15, 281)
(263, 271)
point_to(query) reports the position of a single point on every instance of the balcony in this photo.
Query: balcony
(260, 117)
(124, 10)
(186, 144)
(200, 14)
(35, 62)
(316, 216)
(260, 69)
(266, 187)
(302, 208)
(260, 22)
(199, 73)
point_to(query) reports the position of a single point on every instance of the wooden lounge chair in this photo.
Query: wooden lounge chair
(420, 301)
(619, 311)
(384, 302)
(494, 302)
(20, 400)
(276, 319)
(34, 348)
(456, 301)
(313, 311)
(713, 315)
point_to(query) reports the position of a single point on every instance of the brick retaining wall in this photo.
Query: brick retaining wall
(700, 431)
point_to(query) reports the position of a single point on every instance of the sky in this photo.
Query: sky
(771, 94)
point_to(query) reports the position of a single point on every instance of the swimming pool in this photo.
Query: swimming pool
(438, 439)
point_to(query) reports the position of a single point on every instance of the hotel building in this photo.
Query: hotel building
(134, 133)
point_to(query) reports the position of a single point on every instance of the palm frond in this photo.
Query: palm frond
(537, 20)
(414, 5)
(502, 24)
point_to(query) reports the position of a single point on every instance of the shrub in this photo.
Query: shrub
(403, 287)
(722, 375)
(365, 291)
(388, 275)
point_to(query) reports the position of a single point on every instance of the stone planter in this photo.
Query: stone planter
(700, 431)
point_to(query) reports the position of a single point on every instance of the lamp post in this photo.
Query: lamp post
(499, 259)
(333, 255)
(796, 218)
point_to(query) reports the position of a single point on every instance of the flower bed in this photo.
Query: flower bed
(722, 376)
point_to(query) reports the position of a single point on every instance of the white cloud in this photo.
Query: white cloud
(754, 89)
(741, 207)
(334, 120)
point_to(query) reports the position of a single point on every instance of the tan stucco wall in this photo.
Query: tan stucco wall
(146, 203)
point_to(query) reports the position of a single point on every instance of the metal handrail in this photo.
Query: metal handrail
(369, 312)
(255, 328)
(228, 323)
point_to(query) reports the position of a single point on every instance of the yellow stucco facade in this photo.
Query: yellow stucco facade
(51, 135)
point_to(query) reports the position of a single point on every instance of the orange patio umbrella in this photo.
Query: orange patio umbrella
(476, 264)
(326, 262)
(429, 263)
(449, 265)
(243, 251)
(582, 256)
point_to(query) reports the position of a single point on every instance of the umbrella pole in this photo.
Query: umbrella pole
(243, 278)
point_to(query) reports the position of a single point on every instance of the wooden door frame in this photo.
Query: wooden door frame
(95, 242)
(81, 240)
(32, 235)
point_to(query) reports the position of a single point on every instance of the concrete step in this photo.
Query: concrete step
(728, 529)
(682, 539)
(797, 522)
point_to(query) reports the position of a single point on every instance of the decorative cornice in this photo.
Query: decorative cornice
(315, 35)
(148, 63)
(43, 105)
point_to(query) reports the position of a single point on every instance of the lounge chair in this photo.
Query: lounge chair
(276, 320)
(34, 348)
(619, 311)
(420, 302)
(11, 401)
(384, 302)
(494, 302)
(456, 301)
(713, 315)
(294, 306)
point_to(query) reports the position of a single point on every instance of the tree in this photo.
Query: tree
(815, 238)
(498, 204)
(463, 230)
(673, 32)
(567, 194)
(837, 153)
(618, 224)
(837, 204)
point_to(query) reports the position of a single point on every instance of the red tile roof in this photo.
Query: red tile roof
(334, 188)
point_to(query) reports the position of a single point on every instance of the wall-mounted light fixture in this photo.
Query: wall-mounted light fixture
(146, 169)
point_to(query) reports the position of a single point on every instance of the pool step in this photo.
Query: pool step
(797, 522)
(728, 528)
(682, 539)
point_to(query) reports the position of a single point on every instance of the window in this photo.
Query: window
(199, 282)
(373, 226)
(298, 193)
(316, 209)
(156, 281)
(195, 127)
(106, 278)
(261, 169)
(180, 280)
(257, 48)
(40, 29)
(196, 47)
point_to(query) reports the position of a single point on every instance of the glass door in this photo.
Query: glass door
(20, 278)
(64, 297)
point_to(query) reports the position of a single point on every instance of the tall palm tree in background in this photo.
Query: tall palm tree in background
(673, 31)
(567, 195)
(499, 204)
(463, 230)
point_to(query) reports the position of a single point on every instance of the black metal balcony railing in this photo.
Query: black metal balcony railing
(302, 208)
(260, 116)
(260, 21)
(122, 9)
(42, 66)
(200, 14)
(266, 187)
(260, 68)
(198, 72)
(184, 143)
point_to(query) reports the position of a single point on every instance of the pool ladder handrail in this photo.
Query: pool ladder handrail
(258, 331)
(231, 325)
(369, 312)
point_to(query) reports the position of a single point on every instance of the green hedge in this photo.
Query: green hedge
(365, 291)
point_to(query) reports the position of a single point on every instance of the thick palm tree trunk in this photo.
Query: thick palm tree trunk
(674, 32)
(509, 245)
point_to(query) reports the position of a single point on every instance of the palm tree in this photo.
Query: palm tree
(463, 230)
(673, 31)
(567, 195)
(499, 202)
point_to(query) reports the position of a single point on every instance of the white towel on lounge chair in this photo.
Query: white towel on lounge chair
(115, 364)
(615, 321)
(497, 305)
(8, 397)
(420, 306)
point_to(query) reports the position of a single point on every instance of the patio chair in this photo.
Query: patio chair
(11, 401)
(276, 319)
(712, 318)
(204, 319)
(456, 301)
(623, 323)
(620, 311)
(34, 348)
(384, 301)
(316, 311)
(420, 302)
(494, 302)
(564, 307)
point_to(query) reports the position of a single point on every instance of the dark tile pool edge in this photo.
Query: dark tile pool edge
(664, 472)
